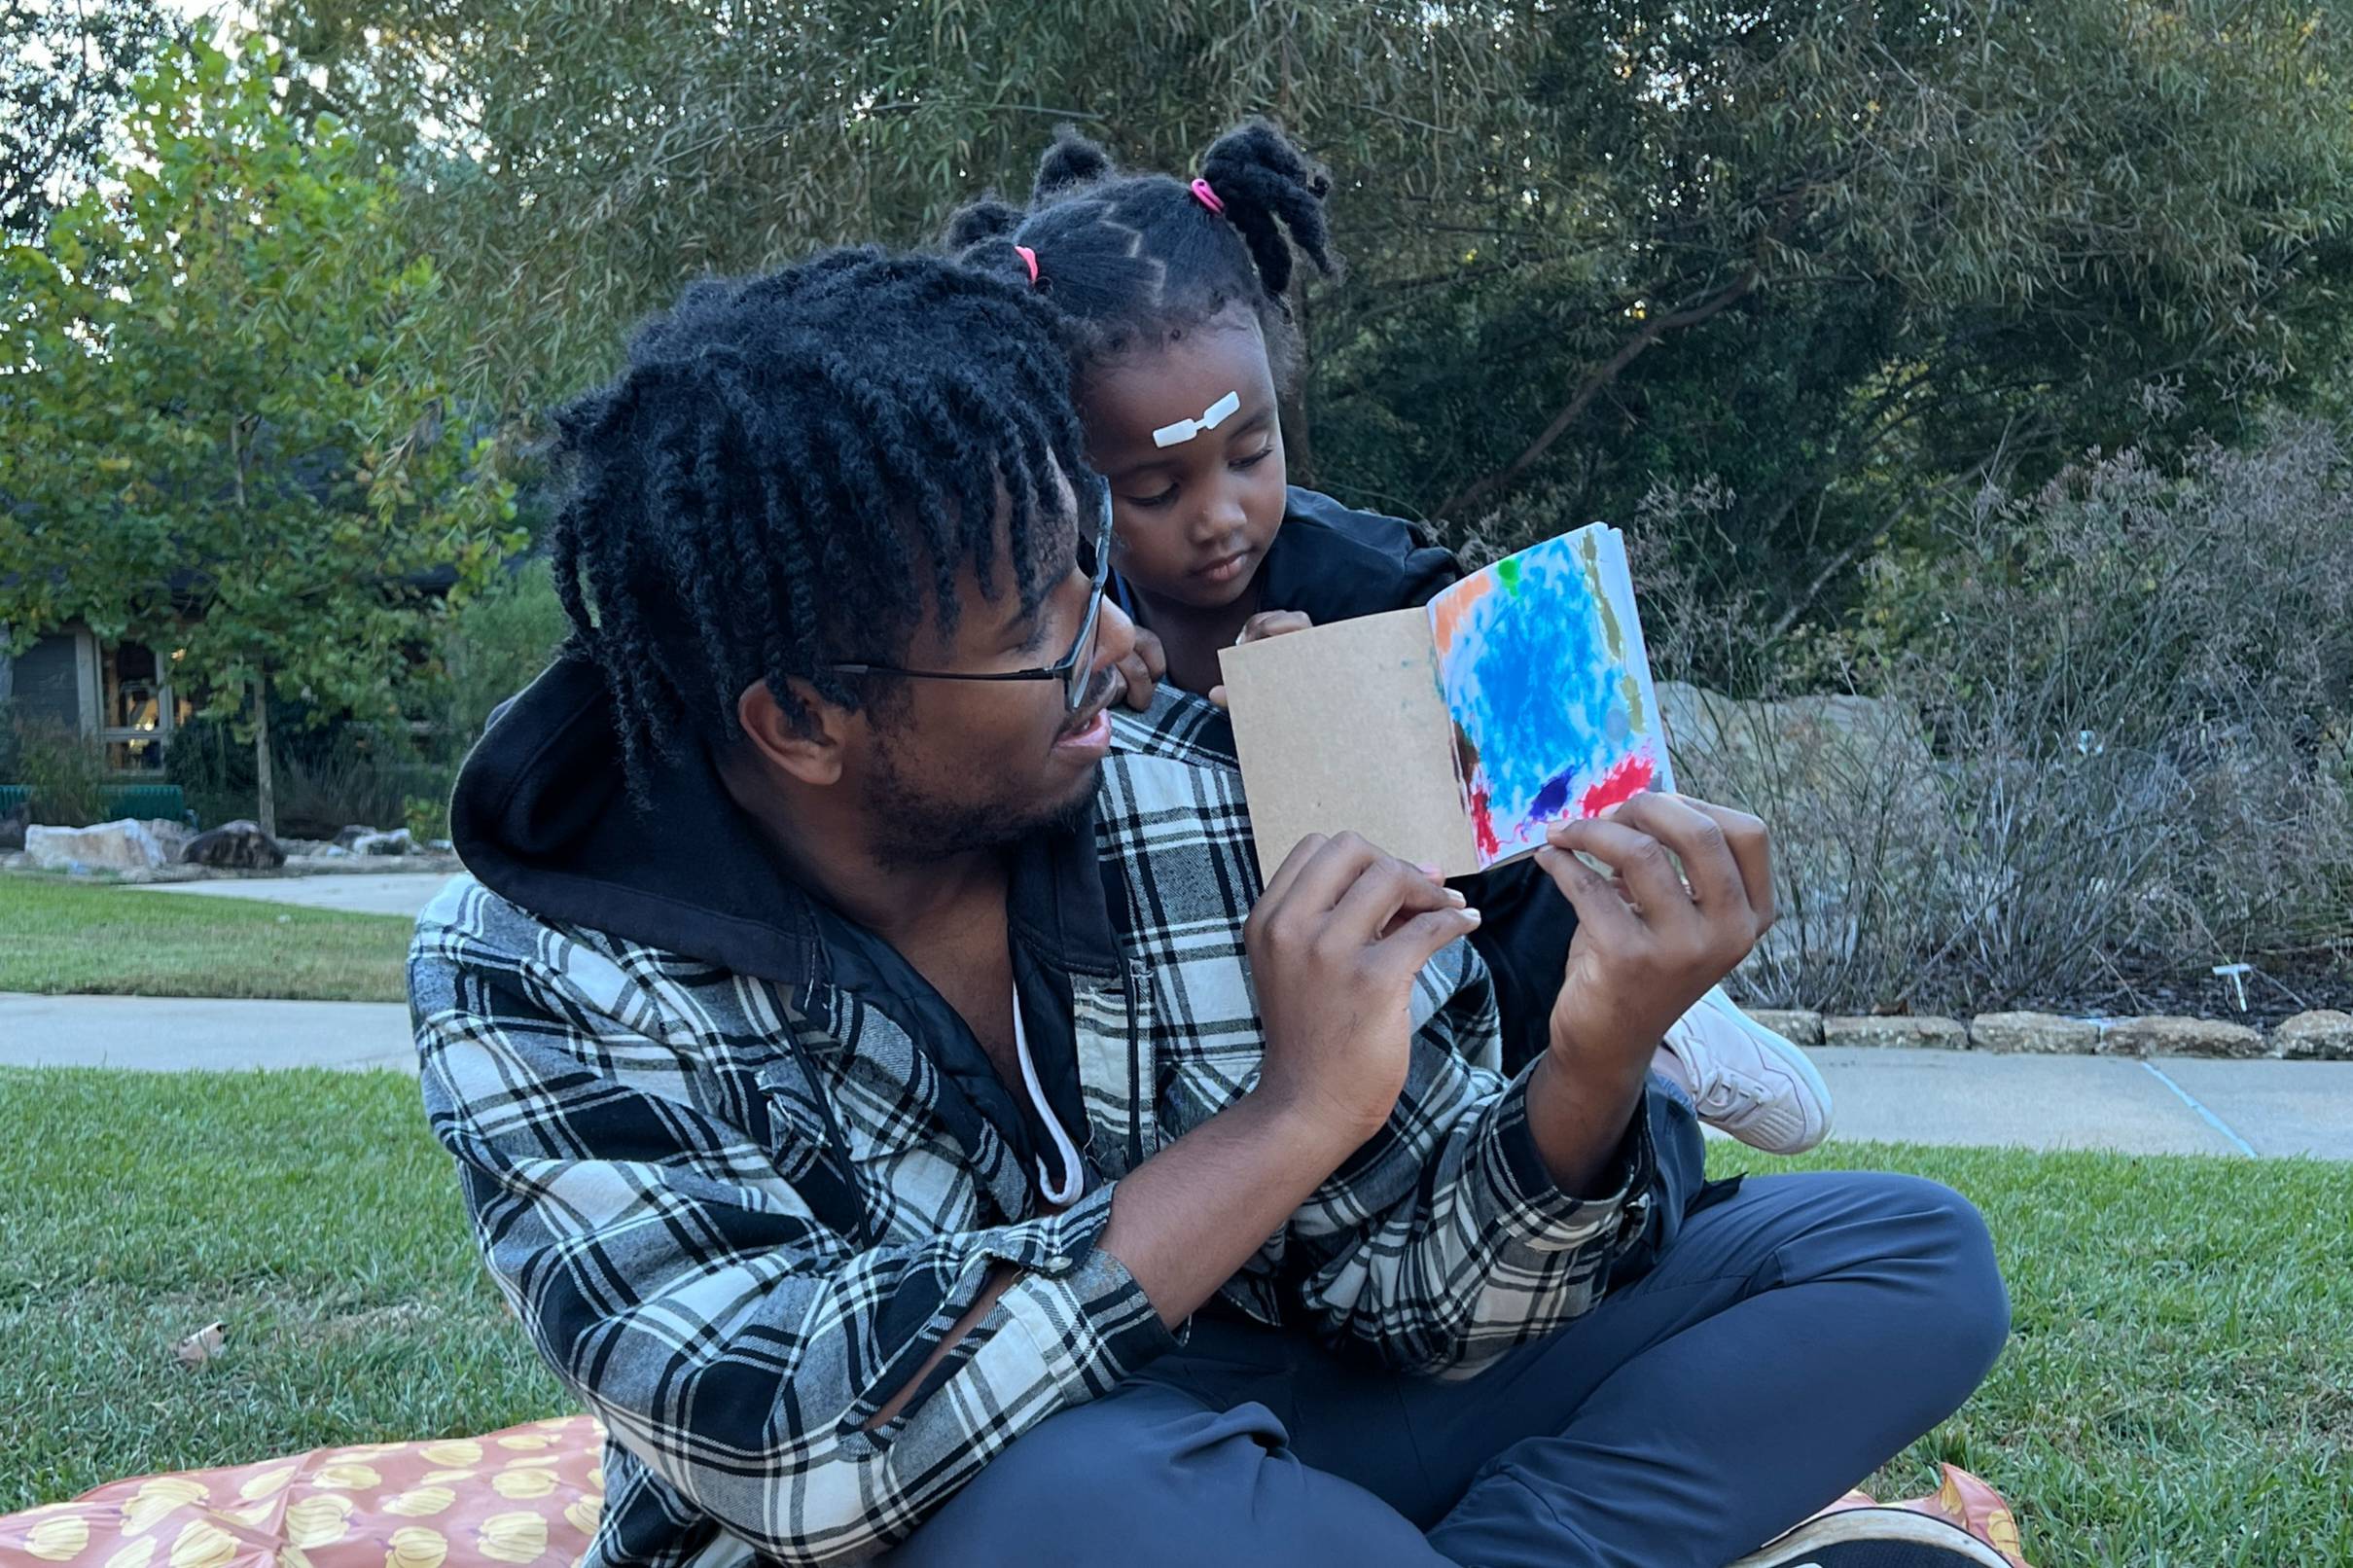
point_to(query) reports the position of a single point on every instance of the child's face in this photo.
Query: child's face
(1193, 517)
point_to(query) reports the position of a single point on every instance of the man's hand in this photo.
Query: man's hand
(1143, 668)
(1649, 941)
(1261, 626)
(1335, 943)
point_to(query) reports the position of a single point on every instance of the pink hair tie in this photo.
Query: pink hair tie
(1207, 198)
(1029, 258)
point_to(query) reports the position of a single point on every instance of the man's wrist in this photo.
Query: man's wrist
(1577, 1114)
(1318, 1132)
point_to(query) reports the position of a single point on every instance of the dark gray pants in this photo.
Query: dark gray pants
(1788, 1340)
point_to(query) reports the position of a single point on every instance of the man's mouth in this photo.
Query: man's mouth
(1091, 725)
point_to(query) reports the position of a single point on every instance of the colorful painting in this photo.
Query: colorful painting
(1542, 663)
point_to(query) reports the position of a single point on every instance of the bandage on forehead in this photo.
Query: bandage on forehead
(1184, 430)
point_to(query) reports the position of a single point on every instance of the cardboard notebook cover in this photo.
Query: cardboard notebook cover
(1450, 734)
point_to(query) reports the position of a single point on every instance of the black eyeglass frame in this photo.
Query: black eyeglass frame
(1070, 669)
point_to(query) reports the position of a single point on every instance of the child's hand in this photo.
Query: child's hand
(1258, 628)
(1652, 938)
(1143, 667)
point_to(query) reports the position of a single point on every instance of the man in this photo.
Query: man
(883, 1092)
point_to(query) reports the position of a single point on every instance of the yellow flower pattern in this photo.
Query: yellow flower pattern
(59, 1540)
(356, 1506)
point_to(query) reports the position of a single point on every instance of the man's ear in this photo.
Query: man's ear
(812, 755)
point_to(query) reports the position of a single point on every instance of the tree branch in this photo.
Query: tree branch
(1459, 503)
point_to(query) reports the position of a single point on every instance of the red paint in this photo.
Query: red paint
(1624, 782)
(1483, 823)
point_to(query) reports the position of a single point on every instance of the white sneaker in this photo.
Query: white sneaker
(1745, 1079)
(1876, 1538)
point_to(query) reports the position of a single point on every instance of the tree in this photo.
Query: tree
(1833, 253)
(66, 70)
(225, 422)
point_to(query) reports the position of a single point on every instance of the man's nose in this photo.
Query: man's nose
(1115, 634)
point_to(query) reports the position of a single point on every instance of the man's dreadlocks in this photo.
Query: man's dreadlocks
(791, 466)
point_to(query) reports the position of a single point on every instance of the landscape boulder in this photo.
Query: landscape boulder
(1917, 1034)
(396, 843)
(2038, 1033)
(2325, 1035)
(234, 847)
(2165, 1035)
(1861, 826)
(120, 847)
(1795, 1025)
(352, 834)
(174, 837)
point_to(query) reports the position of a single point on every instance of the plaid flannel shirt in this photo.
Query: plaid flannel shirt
(735, 1222)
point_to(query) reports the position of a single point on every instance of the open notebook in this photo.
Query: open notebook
(1451, 734)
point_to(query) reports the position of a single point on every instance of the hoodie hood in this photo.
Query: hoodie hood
(542, 817)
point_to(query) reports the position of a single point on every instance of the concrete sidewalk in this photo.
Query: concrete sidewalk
(2173, 1105)
(186, 1034)
(2167, 1105)
(402, 893)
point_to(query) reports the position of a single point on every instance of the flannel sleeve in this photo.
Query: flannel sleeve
(1443, 1242)
(678, 1283)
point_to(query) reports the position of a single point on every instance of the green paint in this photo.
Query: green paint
(1507, 572)
(1631, 690)
(1589, 547)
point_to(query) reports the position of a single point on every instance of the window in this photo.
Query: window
(47, 682)
(136, 711)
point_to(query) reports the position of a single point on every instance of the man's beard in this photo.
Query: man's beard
(916, 826)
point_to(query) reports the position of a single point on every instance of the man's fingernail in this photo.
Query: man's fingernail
(1455, 898)
(1473, 915)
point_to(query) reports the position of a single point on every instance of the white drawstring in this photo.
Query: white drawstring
(1074, 1180)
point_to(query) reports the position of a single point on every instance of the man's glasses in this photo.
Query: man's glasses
(1073, 668)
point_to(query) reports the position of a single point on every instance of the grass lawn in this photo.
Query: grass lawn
(57, 937)
(2176, 1395)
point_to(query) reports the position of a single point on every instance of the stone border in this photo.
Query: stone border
(2317, 1036)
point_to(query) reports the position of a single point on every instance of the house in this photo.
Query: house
(119, 694)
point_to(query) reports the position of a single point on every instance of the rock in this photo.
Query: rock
(2164, 1035)
(174, 837)
(12, 828)
(352, 834)
(123, 846)
(1798, 1027)
(2045, 1033)
(2322, 1036)
(1932, 1034)
(234, 847)
(1861, 826)
(395, 843)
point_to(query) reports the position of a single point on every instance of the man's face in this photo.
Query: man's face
(953, 765)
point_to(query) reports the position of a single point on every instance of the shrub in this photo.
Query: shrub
(66, 773)
(495, 643)
(2134, 691)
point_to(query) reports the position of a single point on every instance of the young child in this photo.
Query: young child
(1177, 289)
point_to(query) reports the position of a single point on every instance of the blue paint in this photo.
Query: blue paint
(1553, 798)
(1531, 681)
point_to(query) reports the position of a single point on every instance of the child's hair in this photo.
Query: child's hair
(1134, 258)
